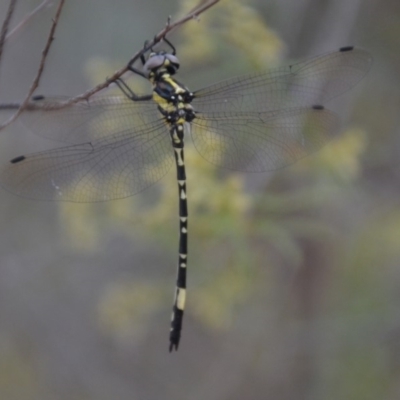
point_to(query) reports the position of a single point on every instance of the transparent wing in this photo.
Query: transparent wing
(262, 141)
(89, 119)
(304, 84)
(113, 167)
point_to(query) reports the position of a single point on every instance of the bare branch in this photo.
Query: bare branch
(203, 6)
(35, 82)
(6, 24)
(16, 106)
(157, 38)
(198, 6)
(35, 11)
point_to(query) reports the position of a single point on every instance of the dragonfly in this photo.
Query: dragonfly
(117, 146)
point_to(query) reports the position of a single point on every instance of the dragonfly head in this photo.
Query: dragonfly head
(161, 61)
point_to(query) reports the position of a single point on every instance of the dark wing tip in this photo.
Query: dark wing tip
(318, 107)
(37, 97)
(346, 48)
(17, 159)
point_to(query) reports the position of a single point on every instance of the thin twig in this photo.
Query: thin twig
(197, 7)
(6, 24)
(157, 38)
(35, 82)
(29, 17)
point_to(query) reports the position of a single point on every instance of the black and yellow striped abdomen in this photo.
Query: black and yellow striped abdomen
(173, 100)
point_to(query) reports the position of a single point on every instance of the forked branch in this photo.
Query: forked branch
(203, 6)
(36, 80)
(193, 14)
(6, 24)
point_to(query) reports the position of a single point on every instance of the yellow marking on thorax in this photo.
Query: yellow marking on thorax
(177, 88)
(163, 103)
(166, 105)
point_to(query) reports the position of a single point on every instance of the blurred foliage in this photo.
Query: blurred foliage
(124, 308)
(317, 242)
(16, 367)
(238, 24)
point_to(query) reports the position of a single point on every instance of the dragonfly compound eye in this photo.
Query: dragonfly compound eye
(158, 60)
(173, 60)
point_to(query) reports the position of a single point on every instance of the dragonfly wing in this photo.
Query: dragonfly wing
(113, 167)
(303, 84)
(88, 119)
(262, 141)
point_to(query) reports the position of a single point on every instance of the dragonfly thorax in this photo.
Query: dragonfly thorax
(172, 97)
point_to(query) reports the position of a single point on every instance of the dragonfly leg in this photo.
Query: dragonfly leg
(128, 92)
(170, 45)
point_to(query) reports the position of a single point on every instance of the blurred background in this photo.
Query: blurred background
(294, 276)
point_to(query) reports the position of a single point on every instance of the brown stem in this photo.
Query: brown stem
(117, 74)
(35, 82)
(28, 17)
(6, 24)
